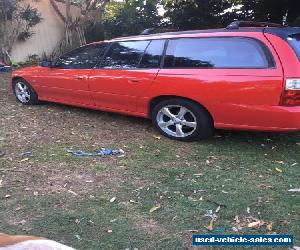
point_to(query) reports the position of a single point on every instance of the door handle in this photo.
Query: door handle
(134, 80)
(81, 77)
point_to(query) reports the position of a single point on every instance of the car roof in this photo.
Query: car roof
(186, 32)
(282, 32)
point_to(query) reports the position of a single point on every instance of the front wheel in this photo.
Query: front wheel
(24, 92)
(182, 120)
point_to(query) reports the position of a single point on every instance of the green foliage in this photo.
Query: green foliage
(269, 10)
(194, 14)
(16, 21)
(130, 17)
(297, 22)
(30, 15)
(7, 8)
(197, 13)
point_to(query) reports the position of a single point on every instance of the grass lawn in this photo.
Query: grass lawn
(242, 177)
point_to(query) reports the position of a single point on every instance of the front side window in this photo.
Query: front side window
(294, 41)
(124, 55)
(226, 52)
(82, 58)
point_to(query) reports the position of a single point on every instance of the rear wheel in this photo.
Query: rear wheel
(24, 92)
(182, 120)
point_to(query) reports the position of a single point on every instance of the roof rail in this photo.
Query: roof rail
(157, 30)
(238, 24)
(147, 31)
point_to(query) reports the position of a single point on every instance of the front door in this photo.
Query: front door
(67, 80)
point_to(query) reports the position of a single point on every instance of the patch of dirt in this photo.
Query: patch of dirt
(150, 226)
(187, 242)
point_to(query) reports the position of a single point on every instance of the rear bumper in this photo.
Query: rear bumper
(266, 118)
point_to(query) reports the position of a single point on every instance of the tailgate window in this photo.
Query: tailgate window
(294, 41)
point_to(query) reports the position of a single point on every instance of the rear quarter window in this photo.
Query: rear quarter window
(294, 41)
(220, 52)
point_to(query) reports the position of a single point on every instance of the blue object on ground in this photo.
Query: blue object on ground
(28, 154)
(102, 152)
(4, 69)
(219, 230)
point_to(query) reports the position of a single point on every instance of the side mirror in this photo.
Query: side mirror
(46, 64)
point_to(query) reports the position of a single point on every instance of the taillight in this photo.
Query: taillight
(291, 94)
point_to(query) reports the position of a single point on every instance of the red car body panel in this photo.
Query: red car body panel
(120, 89)
(236, 98)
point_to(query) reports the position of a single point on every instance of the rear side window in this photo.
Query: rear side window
(124, 55)
(294, 41)
(153, 55)
(82, 58)
(225, 52)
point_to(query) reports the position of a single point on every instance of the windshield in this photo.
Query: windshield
(294, 41)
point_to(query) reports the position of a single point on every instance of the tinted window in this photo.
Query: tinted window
(82, 58)
(124, 55)
(153, 54)
(294, 40)
(232, 52)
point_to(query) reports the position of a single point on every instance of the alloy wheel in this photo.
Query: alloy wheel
(22, 92)
(177, 121)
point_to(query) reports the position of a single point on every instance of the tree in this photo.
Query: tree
(196, 14)
(278, 11)
(90, 12)
(131, 17)
(16, 22)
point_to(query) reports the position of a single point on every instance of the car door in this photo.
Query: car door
(67, 80)
(127, 70)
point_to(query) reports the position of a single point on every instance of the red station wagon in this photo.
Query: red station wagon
(246, 77)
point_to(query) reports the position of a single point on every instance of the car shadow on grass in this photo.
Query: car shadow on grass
(220, 136)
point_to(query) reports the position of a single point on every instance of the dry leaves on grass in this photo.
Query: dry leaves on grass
(112, 199)
(212, 218)
(251, 222)
(155, 208)
(279, 170)
(294, 190)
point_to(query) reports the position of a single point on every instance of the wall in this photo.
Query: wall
(47, 34)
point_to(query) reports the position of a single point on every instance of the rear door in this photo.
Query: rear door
(126, 72)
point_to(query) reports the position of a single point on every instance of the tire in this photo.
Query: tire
(24, 93)
(182, 120)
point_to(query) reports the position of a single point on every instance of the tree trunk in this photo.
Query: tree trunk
(91, 11)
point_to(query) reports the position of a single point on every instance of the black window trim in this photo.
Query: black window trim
(266, 50)
(291, 45)
(162, 62)
(109, 45)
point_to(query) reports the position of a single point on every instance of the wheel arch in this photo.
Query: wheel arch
(16, 78)
(154, 101)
